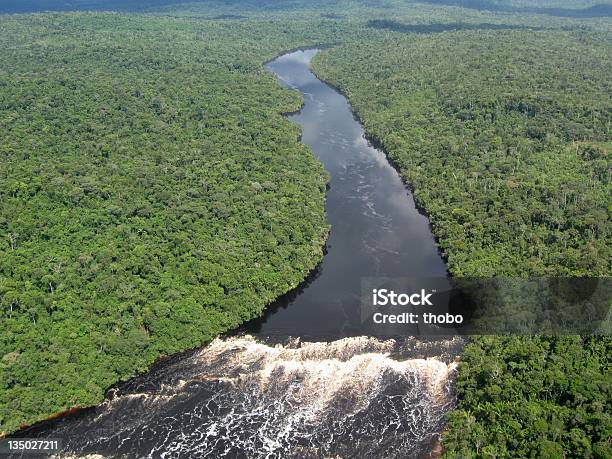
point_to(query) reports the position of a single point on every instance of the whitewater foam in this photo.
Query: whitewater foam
(240, 397)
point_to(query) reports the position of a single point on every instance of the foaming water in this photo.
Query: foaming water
(321, 390)
(239, 397)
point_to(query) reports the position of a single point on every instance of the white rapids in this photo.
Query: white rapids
(239, 397)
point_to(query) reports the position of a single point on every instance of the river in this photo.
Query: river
(303, 380)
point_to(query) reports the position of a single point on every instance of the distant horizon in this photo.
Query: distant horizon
(588, 9)
(306, 228)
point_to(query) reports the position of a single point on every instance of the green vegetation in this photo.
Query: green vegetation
(489, 128)
(504, 136)
(152, 196)
(533, 397)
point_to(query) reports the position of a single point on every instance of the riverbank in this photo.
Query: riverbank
(136, 245)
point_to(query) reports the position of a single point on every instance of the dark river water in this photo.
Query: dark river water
(376, 229)
(304, 381)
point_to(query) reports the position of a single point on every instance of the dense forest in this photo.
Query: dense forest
(502, 136)
(152, 196)
(505, 137)
(562, 9)
(533, 397)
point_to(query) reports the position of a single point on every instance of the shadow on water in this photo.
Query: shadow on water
(595, 11)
